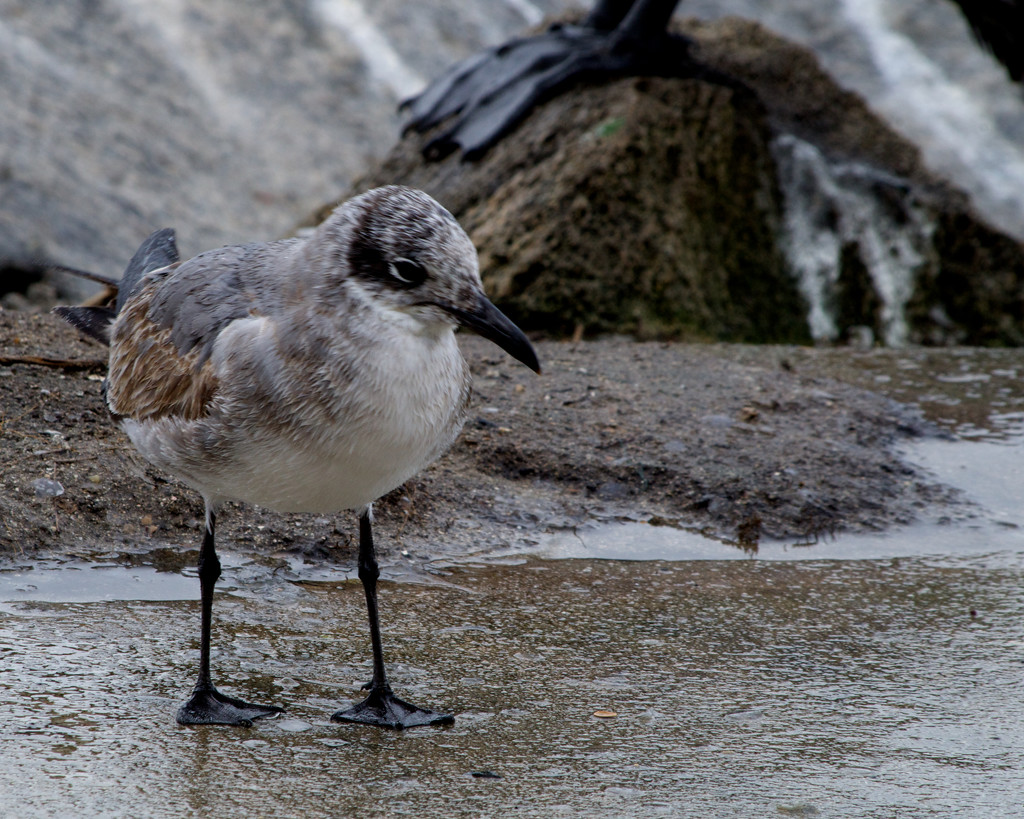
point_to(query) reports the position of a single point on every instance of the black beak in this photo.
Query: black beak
(489, 322)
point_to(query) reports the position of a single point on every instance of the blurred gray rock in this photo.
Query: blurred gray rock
(226, 120)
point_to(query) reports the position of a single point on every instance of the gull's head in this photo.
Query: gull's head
(406, 253)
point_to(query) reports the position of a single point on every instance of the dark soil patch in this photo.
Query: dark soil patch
(681, 434)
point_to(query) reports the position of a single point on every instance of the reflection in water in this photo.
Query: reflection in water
(740, 687)
(76, 581)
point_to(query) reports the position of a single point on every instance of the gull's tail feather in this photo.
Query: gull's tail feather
(159, 250)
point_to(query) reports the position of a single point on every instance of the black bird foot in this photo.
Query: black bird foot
(383, 709)
(208, 706)
(490, 93)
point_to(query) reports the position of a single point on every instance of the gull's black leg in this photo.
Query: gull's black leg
(607, 14)
(207, 705)
(381, 707)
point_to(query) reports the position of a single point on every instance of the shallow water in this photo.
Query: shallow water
(740, 688)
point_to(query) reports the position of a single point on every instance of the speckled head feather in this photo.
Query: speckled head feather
(402, 248)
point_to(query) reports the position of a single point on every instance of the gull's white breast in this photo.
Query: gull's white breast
(320, 433)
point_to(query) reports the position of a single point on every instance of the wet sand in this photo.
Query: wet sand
(586, 688)
(751, 677)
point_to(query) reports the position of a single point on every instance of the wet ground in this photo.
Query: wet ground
(626, 656)
(581, 688)
(665, 674)
(749, 443)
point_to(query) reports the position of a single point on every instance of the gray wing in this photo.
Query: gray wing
(159, 250)
(206, 293)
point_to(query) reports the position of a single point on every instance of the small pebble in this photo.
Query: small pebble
(47, 488)
(293, 725)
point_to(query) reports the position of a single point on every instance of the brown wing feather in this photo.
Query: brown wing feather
(149, 377)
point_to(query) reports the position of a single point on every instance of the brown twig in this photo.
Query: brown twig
(60, 363)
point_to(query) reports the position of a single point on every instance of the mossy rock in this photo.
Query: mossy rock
(654, 207)
(646, 207)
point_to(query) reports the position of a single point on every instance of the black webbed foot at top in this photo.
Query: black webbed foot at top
(490, 93)
(493, 92)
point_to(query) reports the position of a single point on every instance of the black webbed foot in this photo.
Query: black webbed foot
(383, 709)
(491, 92)
(207, 706)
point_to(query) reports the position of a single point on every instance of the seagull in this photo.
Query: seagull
(310, 374)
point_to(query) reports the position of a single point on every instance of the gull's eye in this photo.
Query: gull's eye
(408, 272)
